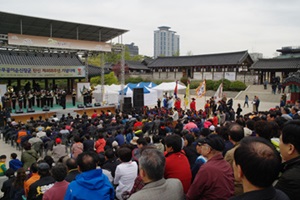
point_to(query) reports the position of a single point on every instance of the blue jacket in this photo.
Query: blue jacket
(91, 184)
(15, 164)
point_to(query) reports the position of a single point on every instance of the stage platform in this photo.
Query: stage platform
(24, 117)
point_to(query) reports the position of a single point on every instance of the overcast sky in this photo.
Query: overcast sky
(204, 26)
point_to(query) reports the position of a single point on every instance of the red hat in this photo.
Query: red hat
(58, 140)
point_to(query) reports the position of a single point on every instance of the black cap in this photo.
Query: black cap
(216, 142)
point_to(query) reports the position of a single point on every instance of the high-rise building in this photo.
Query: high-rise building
(166, 42)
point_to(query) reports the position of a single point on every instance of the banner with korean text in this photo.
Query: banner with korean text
(16, 71)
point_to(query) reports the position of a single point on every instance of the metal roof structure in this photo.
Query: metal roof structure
(277, 64)
(28, 25)
(220, 59)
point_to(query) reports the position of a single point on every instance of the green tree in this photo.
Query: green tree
(108, 79)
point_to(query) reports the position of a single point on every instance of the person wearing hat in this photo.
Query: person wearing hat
(205, 185)
(46, 181)
(59, 150)
(193, 105)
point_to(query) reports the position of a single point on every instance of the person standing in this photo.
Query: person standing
(193, 105)
(246, 101)
(74, 97)
(20, 100)
(63, 99)
(14, 100)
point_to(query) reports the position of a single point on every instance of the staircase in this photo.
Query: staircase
(258, 90)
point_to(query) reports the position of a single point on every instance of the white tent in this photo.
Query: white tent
(169, 86)
(111, 94)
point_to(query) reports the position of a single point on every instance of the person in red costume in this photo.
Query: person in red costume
(177, 104)
(193, 104)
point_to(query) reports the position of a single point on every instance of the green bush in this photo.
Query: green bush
(210, 84)
(237, 86)
(226, 84)
(133, 80)
(184, 80)
(195, 84)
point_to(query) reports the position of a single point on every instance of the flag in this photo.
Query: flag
(201, 89)
(219, 93)
(176, 89)
(187, 94)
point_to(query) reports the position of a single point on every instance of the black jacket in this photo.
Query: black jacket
(289, 181)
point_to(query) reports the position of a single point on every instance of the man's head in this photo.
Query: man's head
(87, 161)
(271, 116)
(43, 168)
(173, 143)
(71, 164)
(124, 154)
(236, 132)
(152, 165)
(59, 172)
(211, 145)
(256, 162)
(290, 140)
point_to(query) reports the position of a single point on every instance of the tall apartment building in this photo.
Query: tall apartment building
(166, 42)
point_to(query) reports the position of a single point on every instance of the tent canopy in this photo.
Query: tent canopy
(169, 86)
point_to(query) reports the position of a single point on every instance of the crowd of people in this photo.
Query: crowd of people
(157, 153)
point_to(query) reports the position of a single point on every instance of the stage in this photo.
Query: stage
(25, 116)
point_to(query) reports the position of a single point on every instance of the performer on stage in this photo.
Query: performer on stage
(63, 99)
(51, 97)
(30, 96)
(43, 98)
(33, 92)
(38, 98)
(20, 100)
(74, 97)
(24, 100)
(7, 102)
(14, 100)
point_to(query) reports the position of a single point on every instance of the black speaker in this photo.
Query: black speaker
(30, 110)
(19, 111)
(138, 97)
(97, 104)
(127, 100)
(46, 108)
(80, 106)
(88, 105)
(127, 107)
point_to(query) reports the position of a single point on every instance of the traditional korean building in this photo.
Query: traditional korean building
(281, 66)
(231, 66)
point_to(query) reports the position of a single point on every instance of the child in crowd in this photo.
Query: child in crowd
(15, 163)
(2, 165)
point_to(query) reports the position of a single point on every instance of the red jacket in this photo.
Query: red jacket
(193, 105)
(178, 166)
(177, 104)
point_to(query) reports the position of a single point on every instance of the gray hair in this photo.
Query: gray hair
(152, 161)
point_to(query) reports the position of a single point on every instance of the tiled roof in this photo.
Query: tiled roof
(96, 71)
(293, 79)
(45, 59)
(136, 65)
(277, 63)
(231, 58)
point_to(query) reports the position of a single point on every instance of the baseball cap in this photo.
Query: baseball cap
(57, 140)
(216, 142)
